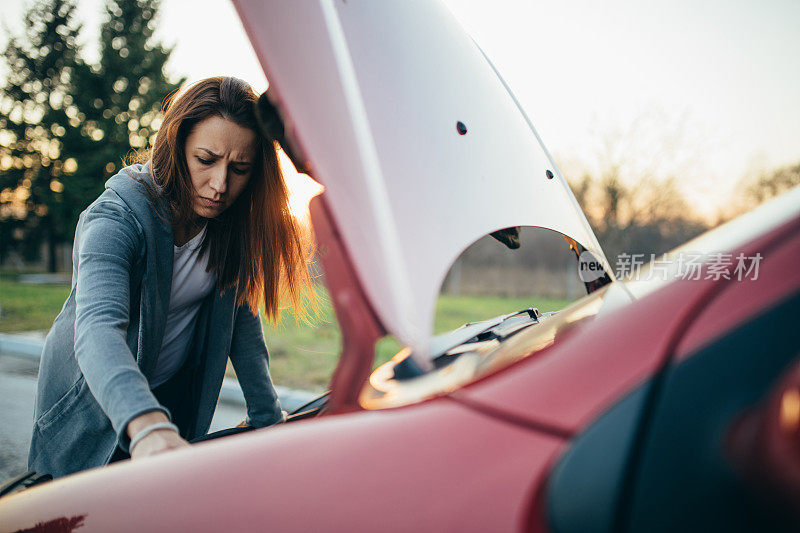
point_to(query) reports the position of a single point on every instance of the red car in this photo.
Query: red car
(670, 402)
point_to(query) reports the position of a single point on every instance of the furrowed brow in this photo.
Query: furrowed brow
(212, 154)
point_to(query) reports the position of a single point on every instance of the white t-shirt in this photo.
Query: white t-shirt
(190, 285)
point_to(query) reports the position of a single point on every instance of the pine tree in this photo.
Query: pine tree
(66, 126)
(39, 129)
(123, 93)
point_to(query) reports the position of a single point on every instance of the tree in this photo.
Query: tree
(648, 217)
(66, 126)
(756, 187)
(771, 184)
(629, 193)
(122, 95)
(39, 127)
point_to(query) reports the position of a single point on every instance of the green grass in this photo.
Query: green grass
(301, 355)
(453, 311)
(29, 307)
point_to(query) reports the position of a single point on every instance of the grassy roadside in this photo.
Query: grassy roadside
(29, 307)
(301, 356)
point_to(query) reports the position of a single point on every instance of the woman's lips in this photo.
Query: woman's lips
(215, 204)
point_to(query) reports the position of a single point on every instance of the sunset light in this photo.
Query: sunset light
(301, 187)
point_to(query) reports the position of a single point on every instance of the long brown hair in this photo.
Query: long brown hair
(255, 246)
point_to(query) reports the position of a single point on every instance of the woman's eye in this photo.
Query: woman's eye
(205, 161)
(239, 171)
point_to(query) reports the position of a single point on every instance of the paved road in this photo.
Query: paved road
(16, 413)
(17, 389)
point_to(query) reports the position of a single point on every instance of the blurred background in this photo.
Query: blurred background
(667, 118)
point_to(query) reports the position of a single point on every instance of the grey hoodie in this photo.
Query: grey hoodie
(103, 346)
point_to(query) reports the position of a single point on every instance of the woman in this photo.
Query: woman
(170, 266)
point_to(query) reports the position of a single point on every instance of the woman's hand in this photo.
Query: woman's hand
(156, 442)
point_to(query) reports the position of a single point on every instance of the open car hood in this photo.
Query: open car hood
(420, 145)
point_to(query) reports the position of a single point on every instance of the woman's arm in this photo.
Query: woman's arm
(251, 363)
(110, 244)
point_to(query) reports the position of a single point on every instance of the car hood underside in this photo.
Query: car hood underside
(420, 145)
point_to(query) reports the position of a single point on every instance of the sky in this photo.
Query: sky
(705, 91)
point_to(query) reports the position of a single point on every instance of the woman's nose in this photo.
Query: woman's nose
(219, 182)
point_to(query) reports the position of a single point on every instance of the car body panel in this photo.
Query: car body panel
(378, 124)
(360, 327)
(682, 476)
(778, 277)
(658, 460)
(478, 474)
(567, 384)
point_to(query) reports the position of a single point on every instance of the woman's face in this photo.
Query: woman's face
(220, 156)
